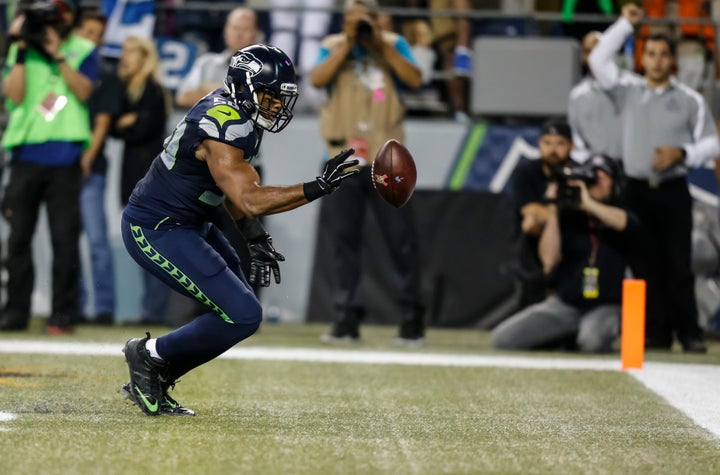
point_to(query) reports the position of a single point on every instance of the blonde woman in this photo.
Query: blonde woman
(141, 123)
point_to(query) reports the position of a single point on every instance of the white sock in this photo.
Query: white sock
(150, 346)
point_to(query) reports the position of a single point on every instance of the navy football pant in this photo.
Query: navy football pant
(199, 262)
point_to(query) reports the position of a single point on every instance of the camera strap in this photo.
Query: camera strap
(594, 242)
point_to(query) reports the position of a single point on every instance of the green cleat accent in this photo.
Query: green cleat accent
(168, 405)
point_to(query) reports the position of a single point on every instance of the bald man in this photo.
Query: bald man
(209, 70)
(593, 116)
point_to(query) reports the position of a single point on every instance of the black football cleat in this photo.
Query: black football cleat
(168, 405)
(145, 373)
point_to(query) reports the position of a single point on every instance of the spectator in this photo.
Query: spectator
(360, 68)
(103, 105)
(592, 114)
(141, 126)
(667, 128)
(419, 36)
(209, 70)
(205, 165)
(452, 38)
(528, 187)
(583, 244)
(46, 84)
(297, 27)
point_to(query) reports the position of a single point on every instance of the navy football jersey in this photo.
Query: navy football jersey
(178, 188)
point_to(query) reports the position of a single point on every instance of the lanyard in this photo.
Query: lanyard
(594, 242)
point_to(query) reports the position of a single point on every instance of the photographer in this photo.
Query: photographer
(362, 68)
(50, 74)
(582, 249)
(528, 187)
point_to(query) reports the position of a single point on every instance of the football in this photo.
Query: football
(394, 173)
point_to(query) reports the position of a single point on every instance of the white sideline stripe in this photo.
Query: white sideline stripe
(690, 388)
(7, 416)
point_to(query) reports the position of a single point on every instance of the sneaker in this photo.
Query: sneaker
(694, 345)
(333, 339)
(168, 405)
(412, 329)
(342, 333)
(59, 330)
(11, 320)
(104, 318)
(345, 330)
(145, 374)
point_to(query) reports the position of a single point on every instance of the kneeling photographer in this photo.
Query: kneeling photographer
(582, 249)
(50, 74)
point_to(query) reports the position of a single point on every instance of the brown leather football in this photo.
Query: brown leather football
(394, 173)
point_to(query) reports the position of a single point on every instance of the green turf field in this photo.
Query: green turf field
(282, 417)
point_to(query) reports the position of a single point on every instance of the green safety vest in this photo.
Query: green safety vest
(28, 123)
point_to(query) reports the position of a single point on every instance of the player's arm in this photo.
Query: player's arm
(240, 183)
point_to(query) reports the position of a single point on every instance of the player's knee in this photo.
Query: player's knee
(248, 312)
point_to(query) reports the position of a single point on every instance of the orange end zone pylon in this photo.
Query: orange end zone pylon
(632, 341)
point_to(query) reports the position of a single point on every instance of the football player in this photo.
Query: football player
(205, 163)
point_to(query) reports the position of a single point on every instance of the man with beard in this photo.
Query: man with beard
(528, 186)
(48, 78)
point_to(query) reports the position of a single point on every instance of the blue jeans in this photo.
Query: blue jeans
(92, 208)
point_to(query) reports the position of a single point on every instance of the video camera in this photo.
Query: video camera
(38, 16)
(569, 195)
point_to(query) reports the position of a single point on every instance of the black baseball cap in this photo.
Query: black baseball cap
(604, 163)
(556, 127)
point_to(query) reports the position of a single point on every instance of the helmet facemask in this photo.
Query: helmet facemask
(273, 110)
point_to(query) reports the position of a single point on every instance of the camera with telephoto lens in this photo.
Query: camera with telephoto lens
(39, 16)
(363, 30)
(569, 195)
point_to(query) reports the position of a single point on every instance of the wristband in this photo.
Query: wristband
(60, 59)
(20, 57)
(313, 190)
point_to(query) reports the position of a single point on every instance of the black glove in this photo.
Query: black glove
(264, 257)
(334, 172)
(264, 260)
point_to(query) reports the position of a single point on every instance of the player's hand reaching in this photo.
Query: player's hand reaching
(264, 260)
(335, 171)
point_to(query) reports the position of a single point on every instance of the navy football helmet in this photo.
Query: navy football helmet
(261, 81)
